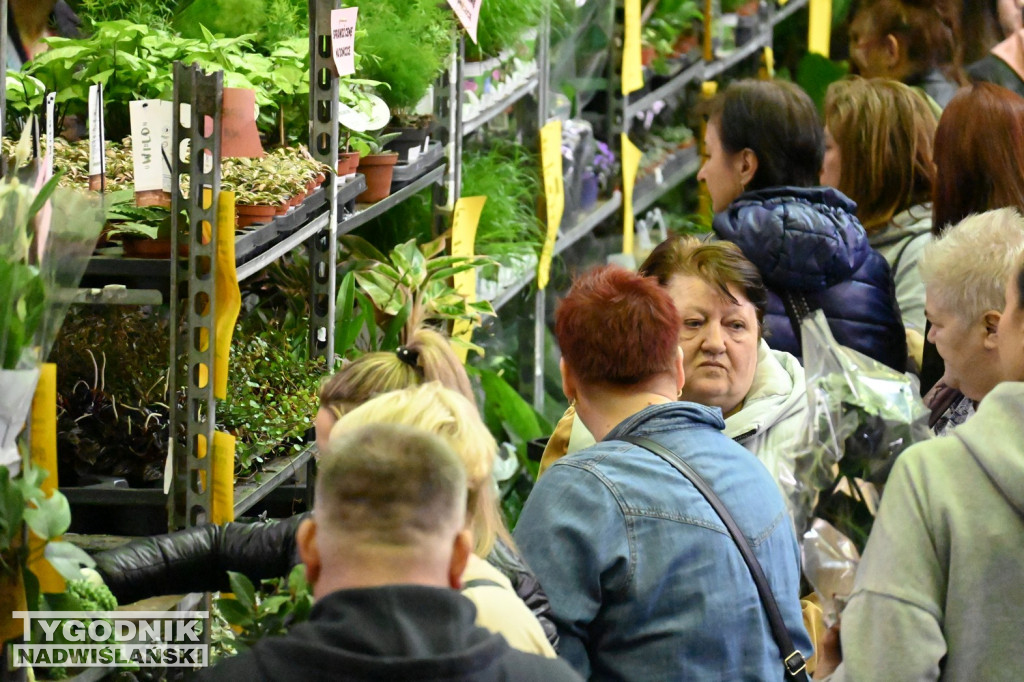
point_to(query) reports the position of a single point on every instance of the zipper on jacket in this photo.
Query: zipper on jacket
(743, 436)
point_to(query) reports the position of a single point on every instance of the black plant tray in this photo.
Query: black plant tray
(113, 509)
(348, 191)
(405, 173)
(255, 240)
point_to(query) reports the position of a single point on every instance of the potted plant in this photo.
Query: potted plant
(376, 165)
(410, 41)
(360, 110)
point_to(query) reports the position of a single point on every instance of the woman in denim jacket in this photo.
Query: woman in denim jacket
(644, 581)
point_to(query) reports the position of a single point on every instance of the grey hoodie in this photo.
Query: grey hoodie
(940, 590)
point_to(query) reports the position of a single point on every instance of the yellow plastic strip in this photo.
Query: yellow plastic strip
(632, 62)
(464, 224)
(229, 298)
(819, 32)
(630, 166)
(554, 194)
(222, 495)
(44, 455)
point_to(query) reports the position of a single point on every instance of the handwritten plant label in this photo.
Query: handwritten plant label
(343, 39)
(468, 12)
(97, 157)
(152, 120)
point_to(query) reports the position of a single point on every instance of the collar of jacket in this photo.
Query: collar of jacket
(667, 417)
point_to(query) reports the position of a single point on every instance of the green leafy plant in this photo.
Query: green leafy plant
(410, 41)
(253, 615)
(504, 23)
(400, 291)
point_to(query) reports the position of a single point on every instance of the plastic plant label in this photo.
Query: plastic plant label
(468, 12)
(151, 121)
(343, 40)
(51, 105)
(97, 159)
(43, 224)
(632, 62)
(630, 165)
(554, 194)
(464, 224)
(239, 135)
(819, 32)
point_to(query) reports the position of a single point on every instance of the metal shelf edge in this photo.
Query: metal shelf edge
(490, 112)
(718, 67)
(286, 245)
(791, 8)
(586, 224)
(351, 222)
(277, 472)
(687, 170)
(690, 74)
(509, 292)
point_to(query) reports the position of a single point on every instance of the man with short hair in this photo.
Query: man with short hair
(384, 552)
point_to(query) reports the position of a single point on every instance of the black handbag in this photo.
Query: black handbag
(792, 660)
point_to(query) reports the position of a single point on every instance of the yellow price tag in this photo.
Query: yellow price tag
(554, 194)
(630, 166)
(632, 63)
(43, 430)
(464, 224)
(819, 33)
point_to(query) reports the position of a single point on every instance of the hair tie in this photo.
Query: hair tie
(408, 356)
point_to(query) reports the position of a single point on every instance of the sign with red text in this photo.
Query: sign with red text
(468, 12)
(343, 40)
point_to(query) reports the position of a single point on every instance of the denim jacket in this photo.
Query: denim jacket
(644, 580)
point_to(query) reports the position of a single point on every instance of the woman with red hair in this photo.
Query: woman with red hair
(979, 157)
(644, 581)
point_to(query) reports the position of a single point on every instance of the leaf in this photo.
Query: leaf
(387, 295)
(67, 559)
(51, 517)
(357, 246)
(234, 612)
(12, 508)
(243, 590)
(520, 420)
(273, 604)
(393, 332)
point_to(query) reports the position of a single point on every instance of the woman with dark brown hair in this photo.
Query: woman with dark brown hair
(916, 42)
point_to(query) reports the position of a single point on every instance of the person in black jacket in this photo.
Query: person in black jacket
(765, 146)
(385, 551)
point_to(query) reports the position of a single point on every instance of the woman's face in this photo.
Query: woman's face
(970, 366)
(323, 422)
(830, 170)
(721, 171)
(719, 340)
(1010, 337)
(1009, 15)
(868, 55)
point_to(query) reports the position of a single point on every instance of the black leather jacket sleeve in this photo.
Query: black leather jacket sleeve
(198, 559)
(524, 581)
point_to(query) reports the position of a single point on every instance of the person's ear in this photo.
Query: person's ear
(990, 320)
(309, 551)
(462, 547)
(680, 372)
(747, 166)
(891, 47)
(569, 387)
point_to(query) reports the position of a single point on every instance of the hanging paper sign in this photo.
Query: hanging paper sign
(630, 165)
(151, 121)
(632, 62)
(343, 40)
(464, 224)
(819, 32)
(97, 158)
(239, 135)
(554, 194)
(468, 12)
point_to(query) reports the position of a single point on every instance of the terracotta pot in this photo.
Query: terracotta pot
(282, 208)
(378, 169)
(647, 55)
(348, 163)
(152, 248)
(684, 44)
(749, 9)
(246, 215)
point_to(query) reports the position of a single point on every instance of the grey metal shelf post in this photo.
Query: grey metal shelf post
(195, 152)
(323, 144)
(540, 300)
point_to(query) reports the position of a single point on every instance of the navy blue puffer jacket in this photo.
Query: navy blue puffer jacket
(809, 240)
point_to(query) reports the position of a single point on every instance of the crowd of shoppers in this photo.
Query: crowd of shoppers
(660, 541)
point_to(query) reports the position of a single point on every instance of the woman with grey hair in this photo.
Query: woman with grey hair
(964, 297)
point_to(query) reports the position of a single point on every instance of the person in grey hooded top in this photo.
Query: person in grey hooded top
(765, 146)
(938, 593)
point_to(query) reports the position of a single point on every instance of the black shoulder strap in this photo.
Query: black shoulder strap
(797, 309)
(479, 582)
(792, 659)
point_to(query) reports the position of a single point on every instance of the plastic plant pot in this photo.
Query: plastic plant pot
(378, 170)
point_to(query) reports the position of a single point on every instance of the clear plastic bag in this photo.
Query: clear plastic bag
(862, 415)
(830, 563)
